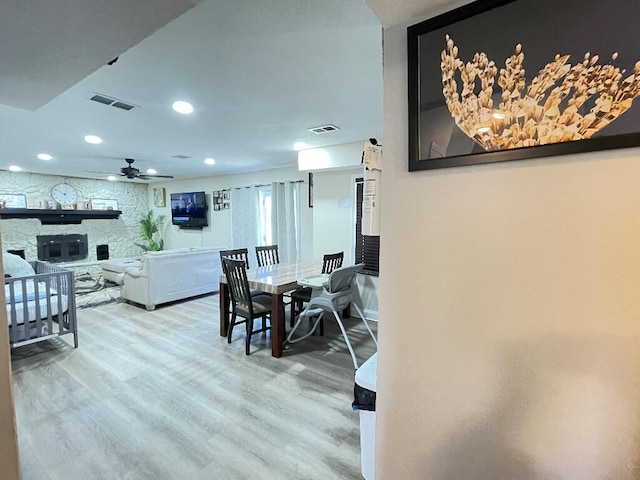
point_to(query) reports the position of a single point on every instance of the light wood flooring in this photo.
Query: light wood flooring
(160, 395)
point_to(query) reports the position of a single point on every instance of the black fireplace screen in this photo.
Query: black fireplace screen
(62, 248)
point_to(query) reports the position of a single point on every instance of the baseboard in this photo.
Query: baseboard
(370, 314)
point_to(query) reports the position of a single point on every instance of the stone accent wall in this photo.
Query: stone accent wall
(120, 235)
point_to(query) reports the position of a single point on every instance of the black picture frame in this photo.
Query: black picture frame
(542, 20)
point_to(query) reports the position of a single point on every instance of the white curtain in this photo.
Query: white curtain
(245, 219)
(285, 219)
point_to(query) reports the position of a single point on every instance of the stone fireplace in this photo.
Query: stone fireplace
(62, 248)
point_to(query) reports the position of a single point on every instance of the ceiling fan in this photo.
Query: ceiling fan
(132, 172)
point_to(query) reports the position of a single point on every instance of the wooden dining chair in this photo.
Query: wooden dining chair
(267, 255)
(236, 254)
(243, 305)
(302, 295)
(241, 254)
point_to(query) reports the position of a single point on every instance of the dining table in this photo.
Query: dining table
(275, 280)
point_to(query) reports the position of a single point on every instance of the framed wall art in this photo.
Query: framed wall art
(13, 200)
(159, 197)
(104, 204)
(499, 80)
(221, 199)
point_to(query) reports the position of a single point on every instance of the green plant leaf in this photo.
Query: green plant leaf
(150, 231)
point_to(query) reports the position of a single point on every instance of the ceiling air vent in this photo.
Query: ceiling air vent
(122, 105)
(102, 99)
(114, 102)
(324, 129)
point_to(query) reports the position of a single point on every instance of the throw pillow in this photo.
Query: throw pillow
(16, 266)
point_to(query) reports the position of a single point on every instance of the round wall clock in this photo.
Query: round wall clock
(64, 194)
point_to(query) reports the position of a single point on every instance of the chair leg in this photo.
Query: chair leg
(301, 317)
(296, 308)
(293, 313)
(346, 339)
(247, 340)
(232, 323)
(364, 320)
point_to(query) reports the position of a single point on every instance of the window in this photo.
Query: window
(267, 215)
(367, 247)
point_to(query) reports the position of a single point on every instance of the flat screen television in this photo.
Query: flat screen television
(189, 209)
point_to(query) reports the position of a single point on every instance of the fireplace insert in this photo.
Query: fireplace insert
(62, 248)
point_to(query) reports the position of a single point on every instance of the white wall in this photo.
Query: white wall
(334, 226)
(333, 213)
(120, 234)
(512, 346)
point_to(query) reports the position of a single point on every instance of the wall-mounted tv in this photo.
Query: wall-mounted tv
(189, 209)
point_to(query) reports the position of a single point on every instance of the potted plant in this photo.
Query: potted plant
(150, 232)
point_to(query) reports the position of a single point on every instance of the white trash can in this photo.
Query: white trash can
(366, 378)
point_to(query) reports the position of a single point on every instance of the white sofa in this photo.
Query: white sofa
(171, 275)
(111, 269)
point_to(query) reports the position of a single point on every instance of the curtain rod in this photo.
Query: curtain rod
(268, 184)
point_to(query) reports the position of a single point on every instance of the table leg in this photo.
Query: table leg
(277, 325)
(225, 303)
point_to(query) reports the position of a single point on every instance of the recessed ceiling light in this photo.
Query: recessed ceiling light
(151, 171)
(499, 115)
(111, 178)
(209, 161)
(92, 139)
(300, 146)
(44, 156)
(14, 168)
(484, 129)
(182, 107)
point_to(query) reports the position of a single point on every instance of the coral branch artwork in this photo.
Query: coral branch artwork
(562, 103)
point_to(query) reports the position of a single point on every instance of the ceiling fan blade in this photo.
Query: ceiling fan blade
(159, 176)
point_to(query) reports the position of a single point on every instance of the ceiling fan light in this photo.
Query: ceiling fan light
(182, 107)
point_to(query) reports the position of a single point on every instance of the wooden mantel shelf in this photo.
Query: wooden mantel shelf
(59, 217)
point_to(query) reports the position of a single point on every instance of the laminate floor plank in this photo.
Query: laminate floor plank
(160, 395)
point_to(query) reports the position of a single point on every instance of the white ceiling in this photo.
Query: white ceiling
(259, 74)
(394, 12)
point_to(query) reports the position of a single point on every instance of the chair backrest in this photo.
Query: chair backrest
(267, 255)
(331, 261)
(342, 278)
(236, 254)
(236, 273)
